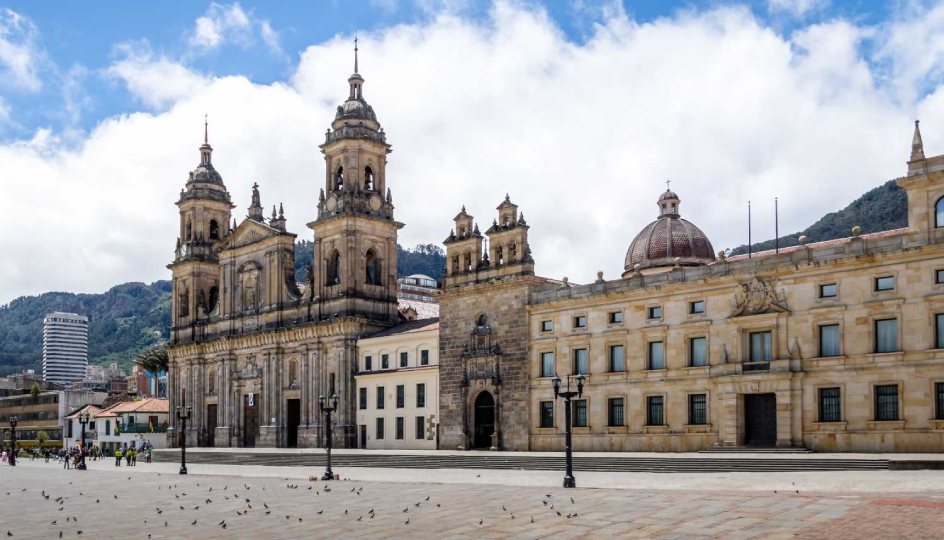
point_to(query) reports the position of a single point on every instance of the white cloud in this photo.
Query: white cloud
(231, 23)
(796, 8)
(156, 81)
(581, 135)
(4, 111)
(20, 56)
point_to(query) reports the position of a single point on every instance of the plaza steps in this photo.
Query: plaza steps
(756, 450)
(760, 463)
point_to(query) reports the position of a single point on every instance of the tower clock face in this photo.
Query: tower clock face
(332, 202)
(375, 202)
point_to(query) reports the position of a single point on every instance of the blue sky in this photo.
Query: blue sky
(578, 109)
(80, 40)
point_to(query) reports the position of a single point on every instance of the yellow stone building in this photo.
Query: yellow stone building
(833, 346)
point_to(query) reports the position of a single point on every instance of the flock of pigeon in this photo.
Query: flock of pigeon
(241, 502)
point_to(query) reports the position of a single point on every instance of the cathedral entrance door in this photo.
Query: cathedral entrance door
(250, 420)
(293, 411)
(760, 419)
(484, 420)
(211, 425)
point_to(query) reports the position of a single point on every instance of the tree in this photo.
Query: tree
(34, 390)
(154, 359)
(42, 437)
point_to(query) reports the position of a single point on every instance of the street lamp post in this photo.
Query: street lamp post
(13, 441)
(328, 409)
(83, 420)
(567, 395)
(183, 414)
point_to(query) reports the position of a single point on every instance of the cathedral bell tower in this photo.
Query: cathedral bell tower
(205, 209)
(355, 251)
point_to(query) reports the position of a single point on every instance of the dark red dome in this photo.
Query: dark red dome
(667, 238)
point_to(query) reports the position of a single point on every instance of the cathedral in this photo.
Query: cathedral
(251, 350)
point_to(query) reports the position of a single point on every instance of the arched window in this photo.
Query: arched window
(214, 298)
(513, 251)
(339, 179)
(292, 374)
(333, 273)
(468, 262)
(188, 231)
(499, 255)
(372, 267)
(214, 230)
(455, 264)
(183, 303)
(939, 213)
(368, 178)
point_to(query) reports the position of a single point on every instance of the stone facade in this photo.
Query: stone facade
(833, 346)
(251, 349)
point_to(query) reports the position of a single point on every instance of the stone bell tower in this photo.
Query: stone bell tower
(355, 252)
(205, 209)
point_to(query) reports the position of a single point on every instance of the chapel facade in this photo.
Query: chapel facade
(252, 350)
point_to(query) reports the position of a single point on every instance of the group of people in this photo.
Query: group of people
(73, 456)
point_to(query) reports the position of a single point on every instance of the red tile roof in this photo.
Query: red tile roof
(149, 405)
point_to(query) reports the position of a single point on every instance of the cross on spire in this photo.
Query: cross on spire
(667, 182)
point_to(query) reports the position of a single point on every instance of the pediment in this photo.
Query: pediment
(249, 232)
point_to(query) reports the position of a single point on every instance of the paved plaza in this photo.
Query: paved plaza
(39, 500)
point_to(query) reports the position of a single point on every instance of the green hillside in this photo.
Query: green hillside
(881, 209)
(130, 317)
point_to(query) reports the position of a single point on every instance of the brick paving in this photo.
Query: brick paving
(161, 505)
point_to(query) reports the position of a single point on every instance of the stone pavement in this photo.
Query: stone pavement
(136, 502)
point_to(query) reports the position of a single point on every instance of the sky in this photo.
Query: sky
(580, 110)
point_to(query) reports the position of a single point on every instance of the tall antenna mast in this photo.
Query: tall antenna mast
(748, 229)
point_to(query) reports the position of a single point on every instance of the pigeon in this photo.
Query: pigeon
(266, 505)
(320, 511)
(532, 519)
(53, 522)
(427, 498)
(222, 522)
(194, 523)
(407, 521)
(504, 509)
(299, 520)
(407, 509)
(481, 520)
(9, 533)
(558, 513)
(359, 518)
(572, 501)
(417, 505)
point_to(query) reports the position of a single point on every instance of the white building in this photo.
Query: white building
(128, 423)
(398, 387)
(65, 347)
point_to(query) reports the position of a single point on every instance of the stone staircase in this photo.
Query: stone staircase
(512, 461)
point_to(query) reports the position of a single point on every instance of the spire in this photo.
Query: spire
(255, 209)
(205, 149)
(355, 80)
(917, 145)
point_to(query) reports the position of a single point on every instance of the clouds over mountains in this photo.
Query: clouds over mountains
(582, 135)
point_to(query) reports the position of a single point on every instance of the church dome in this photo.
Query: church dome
(669, 238)
(356, 109)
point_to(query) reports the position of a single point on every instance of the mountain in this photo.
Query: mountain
(880, 209)
(133, 316)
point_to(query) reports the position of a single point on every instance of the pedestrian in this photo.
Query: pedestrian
(66, 460)
(149, 454)
(128, 452)
(134, 458)
(117, 457)
(3, 456)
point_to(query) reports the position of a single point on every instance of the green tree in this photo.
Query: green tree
(42, 437)
(34, 390)
(154, 359)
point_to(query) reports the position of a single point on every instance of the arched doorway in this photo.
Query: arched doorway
(484, 420)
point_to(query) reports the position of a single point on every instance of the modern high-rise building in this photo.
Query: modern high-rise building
(65, 347)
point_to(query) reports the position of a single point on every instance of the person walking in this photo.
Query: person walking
(134, 457)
